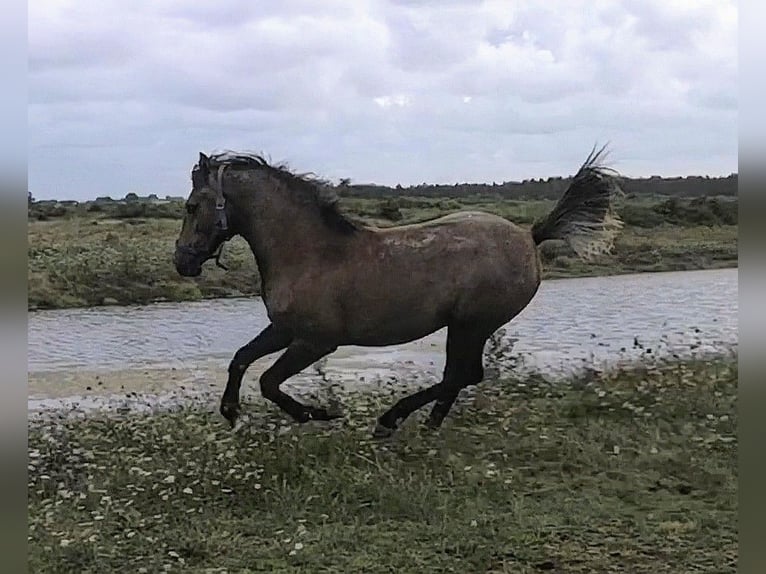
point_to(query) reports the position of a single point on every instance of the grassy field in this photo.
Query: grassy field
(93, 258)
(631, 471)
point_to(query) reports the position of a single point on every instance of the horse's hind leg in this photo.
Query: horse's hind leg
(393, 417)
(268, 341)
(298, 356)
(463, 367)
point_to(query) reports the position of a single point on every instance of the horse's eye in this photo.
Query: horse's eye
(191, 208)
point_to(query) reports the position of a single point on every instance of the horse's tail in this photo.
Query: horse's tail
(584, 217)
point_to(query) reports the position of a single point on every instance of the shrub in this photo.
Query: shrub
(699, 211)
(389, 209)
(640, 216)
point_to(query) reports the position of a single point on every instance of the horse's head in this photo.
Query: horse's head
(205, 225)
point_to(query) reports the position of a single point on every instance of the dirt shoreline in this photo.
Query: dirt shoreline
(145, 387)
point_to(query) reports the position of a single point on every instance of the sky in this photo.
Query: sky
(124, 95)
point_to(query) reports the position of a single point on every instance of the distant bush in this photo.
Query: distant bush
(43, 211)
(130, 210)
(699, 211)
(389, 209)
(640, 215)
(727, 210)
(148, 210)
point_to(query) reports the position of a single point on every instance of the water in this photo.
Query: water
(598, 320)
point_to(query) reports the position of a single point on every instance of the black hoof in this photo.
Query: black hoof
(230, 412)
(382, 431)
(321, 414)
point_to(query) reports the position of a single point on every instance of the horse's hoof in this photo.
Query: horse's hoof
(322, 414)
(382, 431)
(230, 412)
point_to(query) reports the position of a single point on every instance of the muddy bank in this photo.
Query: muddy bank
(161, 387)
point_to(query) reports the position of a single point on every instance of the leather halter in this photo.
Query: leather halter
(221, 221)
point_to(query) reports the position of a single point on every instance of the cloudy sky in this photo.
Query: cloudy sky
(124, 95)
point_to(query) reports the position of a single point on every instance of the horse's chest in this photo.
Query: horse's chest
(293, 306)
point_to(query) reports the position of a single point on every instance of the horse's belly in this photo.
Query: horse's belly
(393, 337)
(397, 325)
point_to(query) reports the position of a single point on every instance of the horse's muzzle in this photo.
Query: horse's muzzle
(188, 261)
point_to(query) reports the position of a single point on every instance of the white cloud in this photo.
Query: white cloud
(400, 101)
(124, 95)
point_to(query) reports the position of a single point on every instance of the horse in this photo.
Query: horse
(328, 280)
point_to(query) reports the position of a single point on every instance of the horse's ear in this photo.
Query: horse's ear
(203, 164)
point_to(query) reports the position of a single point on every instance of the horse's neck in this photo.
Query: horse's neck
(284, 244)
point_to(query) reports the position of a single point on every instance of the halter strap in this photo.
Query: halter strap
(220, 201)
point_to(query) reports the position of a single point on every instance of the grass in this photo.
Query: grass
(87, 259)
(640, 250)
(625, 471)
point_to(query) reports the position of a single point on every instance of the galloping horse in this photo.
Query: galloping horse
(329, 281)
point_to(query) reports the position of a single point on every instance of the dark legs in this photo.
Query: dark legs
(465, 348)
(268, 341)
(472, 373)
(393, 417)
(298, 356)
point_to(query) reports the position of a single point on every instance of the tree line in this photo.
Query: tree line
(551, 188)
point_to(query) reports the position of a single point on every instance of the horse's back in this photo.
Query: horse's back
(456, 219)
(465, 267)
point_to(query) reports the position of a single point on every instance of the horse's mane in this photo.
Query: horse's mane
(307, 184)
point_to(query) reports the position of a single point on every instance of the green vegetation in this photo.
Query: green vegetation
(83, 261)
(627, 471)
(109, 252)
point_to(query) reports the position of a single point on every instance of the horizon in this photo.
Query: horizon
(352, 183)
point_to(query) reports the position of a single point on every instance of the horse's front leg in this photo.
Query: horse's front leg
(298, 356)
(268, 341)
